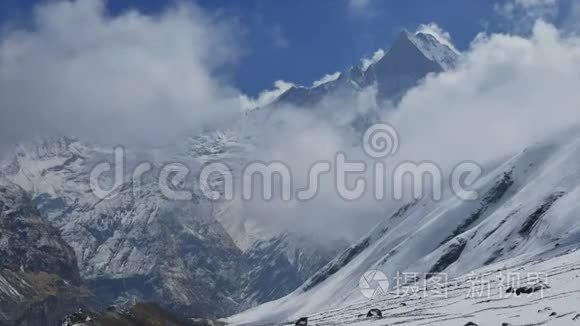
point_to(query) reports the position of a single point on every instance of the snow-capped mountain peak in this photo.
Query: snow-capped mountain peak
(409, 59)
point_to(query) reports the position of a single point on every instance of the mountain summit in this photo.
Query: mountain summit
(411, 57)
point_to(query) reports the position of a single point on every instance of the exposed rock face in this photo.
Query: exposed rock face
(280, 265)
(28, 243)
(39, 278)
(139, 246)
(157, 250)
(142, 314)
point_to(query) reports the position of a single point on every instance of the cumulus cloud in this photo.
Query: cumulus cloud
(507, 93)
(520, 15)
(265, 97)
(77, 70)
(299, 137)
(80, 71)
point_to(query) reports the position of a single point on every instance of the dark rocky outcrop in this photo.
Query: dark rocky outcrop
(375, 313)
(531, 288)
(302, 321)
(39, 278)
(409, 60)
(449, 257)
(335, 265)
(535, 217)
(142, 314)
(493, 195)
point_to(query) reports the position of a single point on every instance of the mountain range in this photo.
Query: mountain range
(67, 248)
(142, 247)
(411, 57)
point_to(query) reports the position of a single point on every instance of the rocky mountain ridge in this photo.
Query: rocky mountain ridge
(39, 277)
(411, 57)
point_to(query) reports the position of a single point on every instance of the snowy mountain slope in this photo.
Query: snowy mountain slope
(279, 261)
(283, 263)
(480, 297)
(141, 246)
(138, 245)
(527, 205)
(409, 60)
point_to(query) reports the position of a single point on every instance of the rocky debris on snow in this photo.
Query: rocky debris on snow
(529, 289)
(375, 313)
(545, 309)
(302, 321)
(456, 309)
(471, 324)
(79, 317)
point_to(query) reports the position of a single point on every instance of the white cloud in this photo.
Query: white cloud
(326, 79)
(79, 71)
(508, 93)
(534, 3)
(361, 8)
(520, 15)
(127, 78)
(300, 137)
(265, 97)
(278, 38)
(441, 35)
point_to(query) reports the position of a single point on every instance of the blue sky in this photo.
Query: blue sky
(302, 40)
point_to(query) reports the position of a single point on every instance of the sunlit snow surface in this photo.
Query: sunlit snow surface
(469, 298)
(527, 209)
